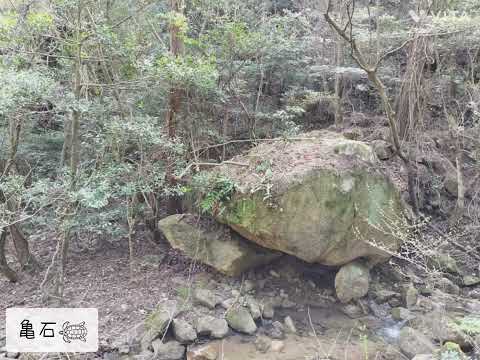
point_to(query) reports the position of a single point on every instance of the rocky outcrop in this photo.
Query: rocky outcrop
(214, 244)
(322, 199)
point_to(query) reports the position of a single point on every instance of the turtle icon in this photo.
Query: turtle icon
(73, 332)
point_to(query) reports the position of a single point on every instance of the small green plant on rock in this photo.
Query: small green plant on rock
(213, 190)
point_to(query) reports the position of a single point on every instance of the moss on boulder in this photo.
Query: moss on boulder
(329, 202)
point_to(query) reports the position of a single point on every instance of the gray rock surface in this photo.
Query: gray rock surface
(352, 198)
(253, 307)
(268, 310)
(205, 297)
(183, 331)
(158, 321)
(289, 325)
(470, 280)
(400, 313)
(171, 350)
(240, 319)
(214, 244)
(211, 326)
(352, 282)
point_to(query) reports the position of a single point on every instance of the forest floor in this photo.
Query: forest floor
(101, 279)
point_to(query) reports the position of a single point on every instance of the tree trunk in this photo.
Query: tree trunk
(175, 94)
(174, 103)
(339, 48)
(392, 121)
(53, 283)
(22, 249)
(4, 268)
(67, 142)
(24, 256)
(345, 32)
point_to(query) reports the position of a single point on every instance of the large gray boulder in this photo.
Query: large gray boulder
(321, 198)
(214, 244)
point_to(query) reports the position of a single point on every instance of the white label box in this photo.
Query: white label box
(52, 330)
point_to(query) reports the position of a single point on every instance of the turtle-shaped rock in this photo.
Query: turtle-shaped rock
(74, 332)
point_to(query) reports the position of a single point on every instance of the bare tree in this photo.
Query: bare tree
(345, 31)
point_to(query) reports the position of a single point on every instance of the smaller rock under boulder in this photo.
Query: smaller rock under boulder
(239, 319)
(214, 244)
(352, 282)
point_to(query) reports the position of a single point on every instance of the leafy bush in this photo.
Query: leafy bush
(212, 191)
(469, 325)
